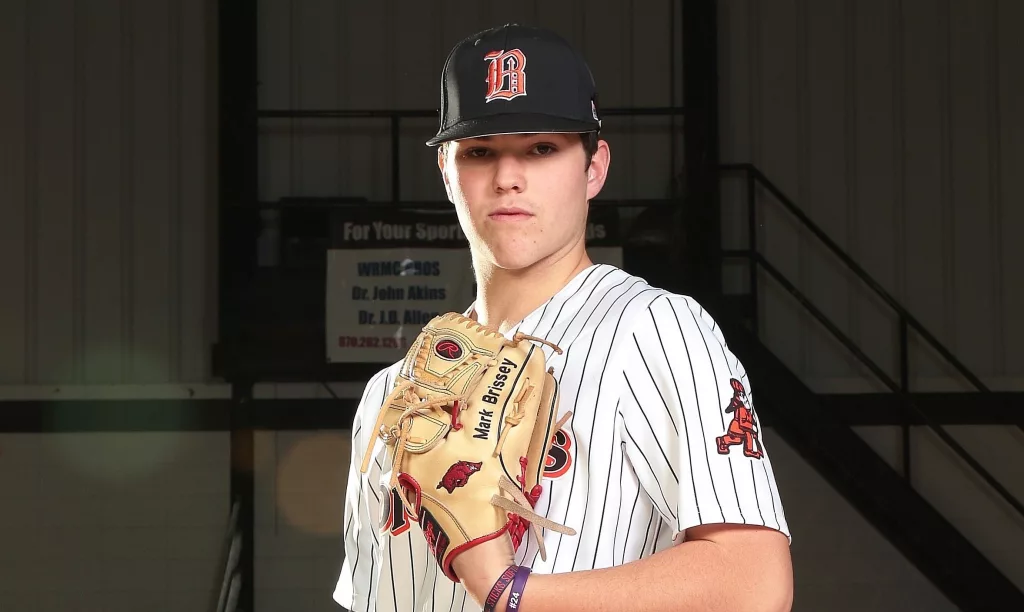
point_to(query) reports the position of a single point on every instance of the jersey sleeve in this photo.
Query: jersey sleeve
(360, 566)
(689, 424)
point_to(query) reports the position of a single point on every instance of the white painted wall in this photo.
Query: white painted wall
(107, 192)
(895, 125)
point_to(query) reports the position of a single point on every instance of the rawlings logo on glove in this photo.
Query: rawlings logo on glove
(475, 413)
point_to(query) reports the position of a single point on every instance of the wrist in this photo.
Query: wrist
(478, 578)
(479, 567)
(506, 594)
(496, 599)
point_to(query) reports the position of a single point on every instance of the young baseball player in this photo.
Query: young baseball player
(662, 470)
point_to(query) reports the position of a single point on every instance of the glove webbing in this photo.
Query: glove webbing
(399, 434)
(516, 338)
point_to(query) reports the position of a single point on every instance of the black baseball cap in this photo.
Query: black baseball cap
(515, 79)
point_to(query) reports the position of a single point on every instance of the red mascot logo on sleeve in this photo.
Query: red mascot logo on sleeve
(743, 429)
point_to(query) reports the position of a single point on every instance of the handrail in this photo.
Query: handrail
(880, 373)
(753, 175)
(859, 271)
(229, 586)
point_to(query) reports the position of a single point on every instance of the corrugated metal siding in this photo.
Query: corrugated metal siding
(321, 54)
(893, 124)
(105, 191)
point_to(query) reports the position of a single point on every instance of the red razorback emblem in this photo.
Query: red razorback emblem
(506, 75)
(458, 475)
(448, 349)
(743, 429)
(437, 539)
(430, 536)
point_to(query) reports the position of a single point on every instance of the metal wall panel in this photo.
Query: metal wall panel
(322, 54)
(893, 125)
(105, 192)
(113, 521)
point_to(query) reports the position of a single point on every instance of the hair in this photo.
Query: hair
(588, 139)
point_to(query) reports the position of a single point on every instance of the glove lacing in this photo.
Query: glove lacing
(398, 434)
(513, 341)
(522, 506)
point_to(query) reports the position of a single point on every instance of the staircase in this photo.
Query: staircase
(811, 425)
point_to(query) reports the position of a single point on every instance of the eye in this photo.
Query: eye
(475, 153)
(543, 148)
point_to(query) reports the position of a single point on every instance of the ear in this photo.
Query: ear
(442, 165)
(597, 173)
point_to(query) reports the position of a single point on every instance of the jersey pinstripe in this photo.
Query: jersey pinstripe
(663, 437)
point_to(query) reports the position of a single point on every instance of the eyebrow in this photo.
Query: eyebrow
(484, 139)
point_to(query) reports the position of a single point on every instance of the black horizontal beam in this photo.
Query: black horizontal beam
(338, 113)
(93, 416)
(82, 416)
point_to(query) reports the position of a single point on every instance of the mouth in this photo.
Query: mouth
(510, 214)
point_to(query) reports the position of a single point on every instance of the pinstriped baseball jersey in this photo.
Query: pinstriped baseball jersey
(664, 436)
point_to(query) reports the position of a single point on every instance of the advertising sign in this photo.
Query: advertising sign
(390, 271)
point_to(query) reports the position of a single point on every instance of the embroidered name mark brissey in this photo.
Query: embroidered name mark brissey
(483, 430)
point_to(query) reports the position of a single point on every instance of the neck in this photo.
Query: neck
(506, 297)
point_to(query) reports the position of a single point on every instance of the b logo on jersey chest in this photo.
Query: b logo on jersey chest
(559, 458)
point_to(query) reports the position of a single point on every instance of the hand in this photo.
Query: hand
(479, 567)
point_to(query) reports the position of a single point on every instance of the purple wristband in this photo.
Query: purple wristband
(515, 596)
(499, 587)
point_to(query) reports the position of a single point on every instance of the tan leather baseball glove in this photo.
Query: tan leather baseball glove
(468, 426)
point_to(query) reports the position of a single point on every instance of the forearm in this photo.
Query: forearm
(698, 575)
(693, 576)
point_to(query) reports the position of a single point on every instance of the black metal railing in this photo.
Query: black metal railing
(395, 118)
(755, 178)
(231, 582)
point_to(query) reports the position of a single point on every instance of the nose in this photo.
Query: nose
(509, 174)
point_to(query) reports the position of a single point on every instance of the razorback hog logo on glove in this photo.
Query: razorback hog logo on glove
(458, 475)
(448, 349)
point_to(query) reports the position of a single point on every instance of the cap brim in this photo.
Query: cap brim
(513, 123)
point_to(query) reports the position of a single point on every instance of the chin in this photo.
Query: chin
(514, 263)
(513, 259)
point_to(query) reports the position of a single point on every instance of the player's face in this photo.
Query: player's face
(523, 199)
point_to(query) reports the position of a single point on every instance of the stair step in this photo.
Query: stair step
(812, 425)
